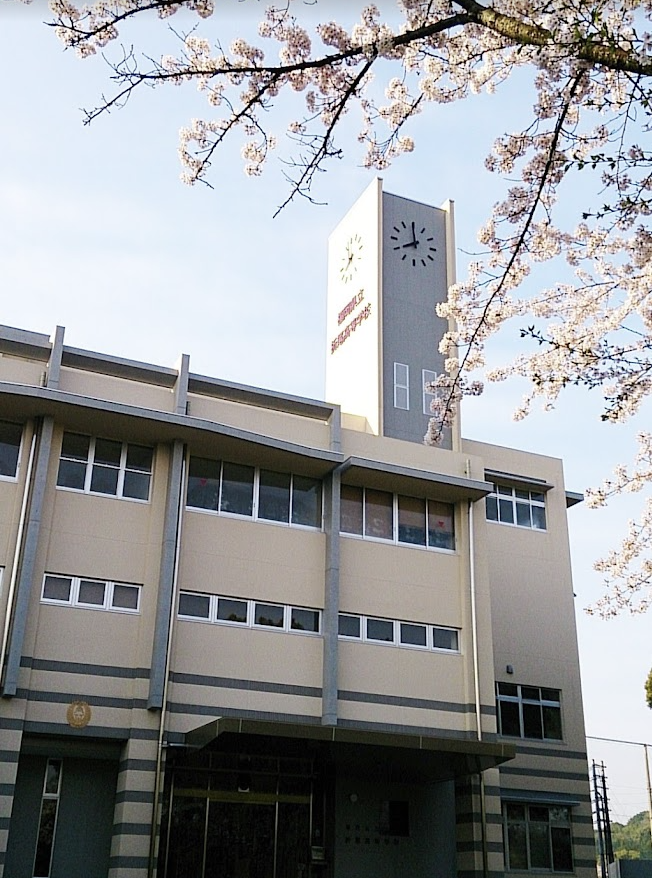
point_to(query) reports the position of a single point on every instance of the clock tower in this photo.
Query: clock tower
(390, 261)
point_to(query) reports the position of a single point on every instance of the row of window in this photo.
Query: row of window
(219, 486)
(97, 594)
(397, 633)
(121, 469)
(381, 515)
(236, 611)
(402, 387)
(528, 711)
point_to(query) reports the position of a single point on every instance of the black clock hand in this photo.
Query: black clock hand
(415, 243)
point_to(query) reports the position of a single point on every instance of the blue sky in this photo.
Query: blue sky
(99, 235)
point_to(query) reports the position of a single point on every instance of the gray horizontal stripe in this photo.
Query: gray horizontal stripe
(542, 772)
(493, 847)
(266, 716)
(14, 725)
(586, 864)
(583, 842)
(545, 750)
(139, 796)
(7, 789)
(93, 700)
(4, 823)
(245, 685)
(426, 731)
(402, 701)
(128, 862)
(546, 796)
(131, 829)
(137, 765)
(37, 664)
(467, 873)
(8, 755)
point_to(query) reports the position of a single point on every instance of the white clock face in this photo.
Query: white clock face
(351, 258)
(413, 244)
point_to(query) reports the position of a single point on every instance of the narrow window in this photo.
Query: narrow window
(412, 521)
(441, 529)
(106, 467)
(379, 508)
(401, 386)
(10, 436)
(48, 819)
(138, 472)
(306, 501)
(351, 499)
(427, 377)
(274, 496)
(237, 489)
(74, 458)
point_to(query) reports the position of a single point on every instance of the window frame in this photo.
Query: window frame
(395, 525)
(122, 469)
(109, 592)
(427, 376)
(508, 494)
(288, 609)
(524, 701)
(19, 453)
(255, 503)
(526, 822)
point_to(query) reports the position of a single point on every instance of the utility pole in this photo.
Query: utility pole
(649, 787)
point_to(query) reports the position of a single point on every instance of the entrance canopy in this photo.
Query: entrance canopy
(411, 758)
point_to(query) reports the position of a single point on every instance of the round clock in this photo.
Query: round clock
(351, 257)
(413, 244)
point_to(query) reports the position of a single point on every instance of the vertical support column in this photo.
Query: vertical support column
(181, 386)
(331, 598)
(133, 810)
(478, 821)
(54, 365)
(11, 733)
(28, 560)
(166, 579)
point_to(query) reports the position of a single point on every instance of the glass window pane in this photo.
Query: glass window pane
(108, 451)
(274, 496)
(507, 689)
(509, 717)
(269, 614)
(10, 435)
(523, 514)
(506, 511)
(532, 693)
(136, 485)
(380, 629)
(562, 849)
(517, 846)
(551, 722)
(306, 501)
(91, 592)
(537, 497)
(45, 840)
(57, 588)
(304, 620)
(532, 726)
(378, 514)
(503, 489)
(237, 489)
(104, 480)
(75, 446)
(195, 605)
(445, 638)
(52, 777)
(515, 811)
(550, 695)
(139, 457)
(401, 398)
(229, 610)
(412, 521)
(72, 474)
(441, 531)
(351, 510)
(125, 597)
(522, 495)
(348, 626)
(492, 508)
(539, 844)
(413, 635)
(539, 517)
(203, 483)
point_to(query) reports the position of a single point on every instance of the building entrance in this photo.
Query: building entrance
(239, 816)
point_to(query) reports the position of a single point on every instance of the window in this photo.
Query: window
(528, 711)
(537, 837)
(401, 386)
(407, 520)
(90, 593)
(105, 466)
(517, 506)
(249, 613)
(265, 495)
(48, 819)
(397, 633)
(10, 436)
(427, 377)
